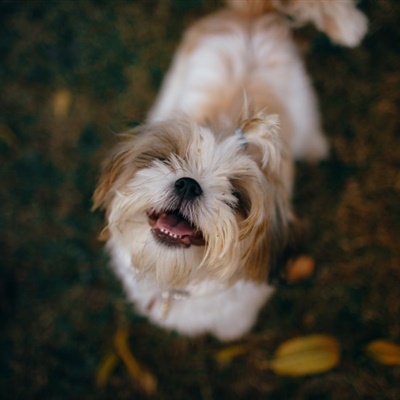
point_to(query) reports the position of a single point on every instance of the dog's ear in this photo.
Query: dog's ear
(280, 242)
(281, 239)
(262, 139)
(111, 172)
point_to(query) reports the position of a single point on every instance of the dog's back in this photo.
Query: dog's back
(244, 57)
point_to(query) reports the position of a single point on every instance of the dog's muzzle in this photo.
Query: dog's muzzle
(171, 227)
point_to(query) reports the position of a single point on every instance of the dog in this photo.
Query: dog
(198, 198)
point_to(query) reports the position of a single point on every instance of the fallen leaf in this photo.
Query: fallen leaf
(300, 268)
(62, 100)
(140, 374)
(384, 351)
(106, 368)
(306, 355)
(226, 355)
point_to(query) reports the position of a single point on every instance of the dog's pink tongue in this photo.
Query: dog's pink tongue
(175, 224)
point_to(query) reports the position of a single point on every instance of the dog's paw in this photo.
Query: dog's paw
(339, 19)
(348, 28)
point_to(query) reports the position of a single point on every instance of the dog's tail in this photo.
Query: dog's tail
(339, 19)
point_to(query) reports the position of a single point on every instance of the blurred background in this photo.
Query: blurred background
(75, 73)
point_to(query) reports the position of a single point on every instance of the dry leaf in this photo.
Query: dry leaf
(142, 376)
(62, 100)
(306, 355)
(105, 369)
(226, 355)
(300, 268)
(385, 352)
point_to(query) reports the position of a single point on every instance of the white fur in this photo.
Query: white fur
(226, 311)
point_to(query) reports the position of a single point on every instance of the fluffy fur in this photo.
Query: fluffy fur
(197, 199)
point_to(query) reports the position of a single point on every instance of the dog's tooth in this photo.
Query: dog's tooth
(170, 234)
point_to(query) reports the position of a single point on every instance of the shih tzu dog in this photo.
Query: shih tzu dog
(198, 199)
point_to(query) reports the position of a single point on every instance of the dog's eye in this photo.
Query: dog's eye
(242, 203)
(160, 158)
(150, 156)
(231, 203)
(237, 194)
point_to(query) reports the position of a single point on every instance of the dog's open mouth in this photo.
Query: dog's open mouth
(173, 229)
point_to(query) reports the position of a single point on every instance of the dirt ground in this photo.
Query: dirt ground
(73, 73)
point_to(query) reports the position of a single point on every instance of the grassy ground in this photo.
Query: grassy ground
(75, 72)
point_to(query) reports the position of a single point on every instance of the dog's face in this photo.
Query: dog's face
(187, 204)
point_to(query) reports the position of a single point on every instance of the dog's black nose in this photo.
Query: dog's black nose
(187, 188)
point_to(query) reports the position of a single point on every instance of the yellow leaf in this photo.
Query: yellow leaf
(105, 369)
(142, 376)
(306, 355)
(385, 352)
(62, 100)
(300, 268)
(226, 355)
